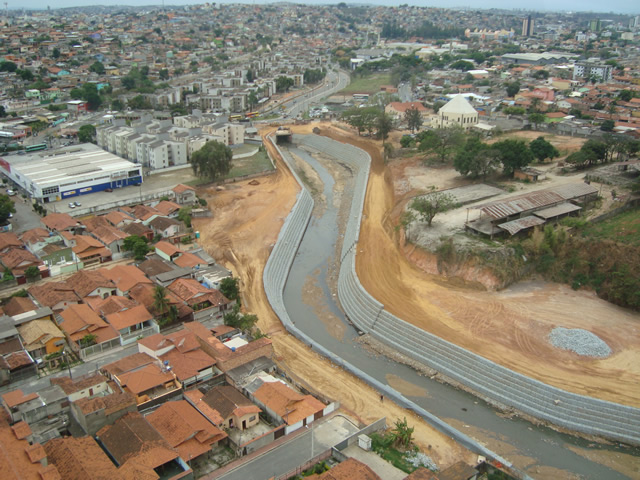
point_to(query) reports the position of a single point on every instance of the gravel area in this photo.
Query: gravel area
(579, 341)
(418, 459)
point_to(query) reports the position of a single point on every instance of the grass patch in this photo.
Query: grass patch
(382, 446)
(622, 228)
(257, 163)
(370, 84)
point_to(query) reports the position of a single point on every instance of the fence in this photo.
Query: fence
(310, 463)
(101, 347)
(379, 424)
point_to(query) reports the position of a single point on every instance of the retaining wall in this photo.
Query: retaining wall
(278, 267)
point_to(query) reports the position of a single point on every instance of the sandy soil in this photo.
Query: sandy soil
(509, 327)
(246, 223)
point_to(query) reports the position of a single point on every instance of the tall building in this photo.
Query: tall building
(599, 72)
(527, 26)
(595, 25)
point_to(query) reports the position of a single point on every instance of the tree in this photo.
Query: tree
(229, 288)
(163, 74)
(3, 112)
(443, 141)
(86, 133)
(475, 158)
(542, 149)
(184, 215)
(513, 154)
(362, 118)
(32, 272)
(88, 340)
(136, 245)
(8, 67)
(283, 84)
(56, 53)
(625, 95)
(413, 118)
(428, 206)
(512, 89)
(402, 433)
(384, 124)
(139, 103)
(237, 320)
(97, 67)
(607, 126)
(462, 65)
(536, 118)
(6, 207)
(161, 304)
(212, 161)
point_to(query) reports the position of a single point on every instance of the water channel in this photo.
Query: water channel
(541, 445)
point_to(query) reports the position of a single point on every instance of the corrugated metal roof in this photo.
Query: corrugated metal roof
(514, 226)
(538, 199)
(561, 209)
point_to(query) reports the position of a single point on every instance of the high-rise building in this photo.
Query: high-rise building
(527, 26)
(595, 25)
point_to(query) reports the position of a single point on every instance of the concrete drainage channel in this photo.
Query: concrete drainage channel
(574, 412)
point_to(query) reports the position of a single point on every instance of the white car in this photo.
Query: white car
(11, 193)
(72, 205)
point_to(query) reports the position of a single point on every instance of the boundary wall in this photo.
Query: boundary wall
(279, 264)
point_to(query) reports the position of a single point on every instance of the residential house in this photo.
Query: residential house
(90, 251)
(16, 400)
(283, 403)
(185, 195)
(112, 304)
(19, 305)
(167, 251)
(139, 229)
(225, 407)
(19, 260)
(54, 295)
(126, 364)
(189, 260)
(119, 219)
(227, 356)
(132, 440)
(186, 430)
(398, 110)
(112, 238)
(205, 302)
(9, 240)
(61, 222)
(133, 323)
(88, 386)
(166, 227)
(93, 413)
(181, 351)
(150, 383)
(144, 295)
(125, 277)
(85, 328)
(21, 459)
(168, 208)
(41, 337)
(88, 283)
(80, 458)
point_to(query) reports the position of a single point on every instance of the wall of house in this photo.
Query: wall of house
(94, 421)
(265, 351)
(92, 391)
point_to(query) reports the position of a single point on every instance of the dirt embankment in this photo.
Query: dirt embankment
(247, 220)
(509, 327)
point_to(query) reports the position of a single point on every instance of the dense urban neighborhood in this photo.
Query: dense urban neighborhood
(349, 241)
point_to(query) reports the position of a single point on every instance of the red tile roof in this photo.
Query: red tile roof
(146, 378)
(125, 277)
(80, 459)
(290, 405)
(17, 397)
(129, 318)
(59, 221)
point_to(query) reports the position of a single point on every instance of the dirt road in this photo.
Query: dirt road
(247, 220)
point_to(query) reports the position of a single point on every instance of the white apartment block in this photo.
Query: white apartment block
(588, 70)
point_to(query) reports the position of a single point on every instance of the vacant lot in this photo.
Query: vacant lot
(257, 163)
(623, 228)
(370, 84)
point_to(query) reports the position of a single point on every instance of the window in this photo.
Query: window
(50, 190)
(252, 418)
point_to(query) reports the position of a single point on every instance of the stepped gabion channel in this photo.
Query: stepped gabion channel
(579, 341)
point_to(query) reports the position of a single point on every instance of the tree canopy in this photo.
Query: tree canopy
(229, 288)
(136, 245)
(212, 161)
(542, 149)
(428, 206)
(86, 133)
(413, 118)
(6, 207)
(442, 142)
(475, 158)
(513, 154)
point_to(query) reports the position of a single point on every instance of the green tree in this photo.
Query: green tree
(625, 95)
(168, 313)
(230, 289)
(512, 89)
(283, 84)
(97, 67)
(237, 320)
(6, 207)
(402, 433)
(428, 206)
(442, 142)
(384, 124)
(8, 66)
(607, 126)
(184, 215)
(163, 74)
(475, 159)
(56, 53)
(536, 118)
(88, 340)
(32, 272)
(413, 118)
(136, 245)
(542, 149)
(86, 133)
(513, 154)
(212, 161)
(3, 112)
(462, 65)
(362, 118)
(139, 103)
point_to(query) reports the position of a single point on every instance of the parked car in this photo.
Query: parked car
(72, 205)
(11, 193)
(78, 204)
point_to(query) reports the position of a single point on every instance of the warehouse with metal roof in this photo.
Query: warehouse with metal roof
(53, 175)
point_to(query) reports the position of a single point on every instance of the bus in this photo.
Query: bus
(235, 118)
(252, 114)
(363, 97)
(36, 147)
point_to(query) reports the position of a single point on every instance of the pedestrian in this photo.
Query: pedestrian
(382, 398)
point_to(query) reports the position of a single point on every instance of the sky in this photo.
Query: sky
(615, 6)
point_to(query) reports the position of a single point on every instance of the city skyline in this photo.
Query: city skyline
(612, 7)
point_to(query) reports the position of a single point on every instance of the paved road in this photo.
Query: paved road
(25, 218)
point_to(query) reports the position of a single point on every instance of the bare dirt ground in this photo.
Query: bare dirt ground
(509, 327)
(247, 220)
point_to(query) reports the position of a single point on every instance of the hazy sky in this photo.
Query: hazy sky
(616, 6)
